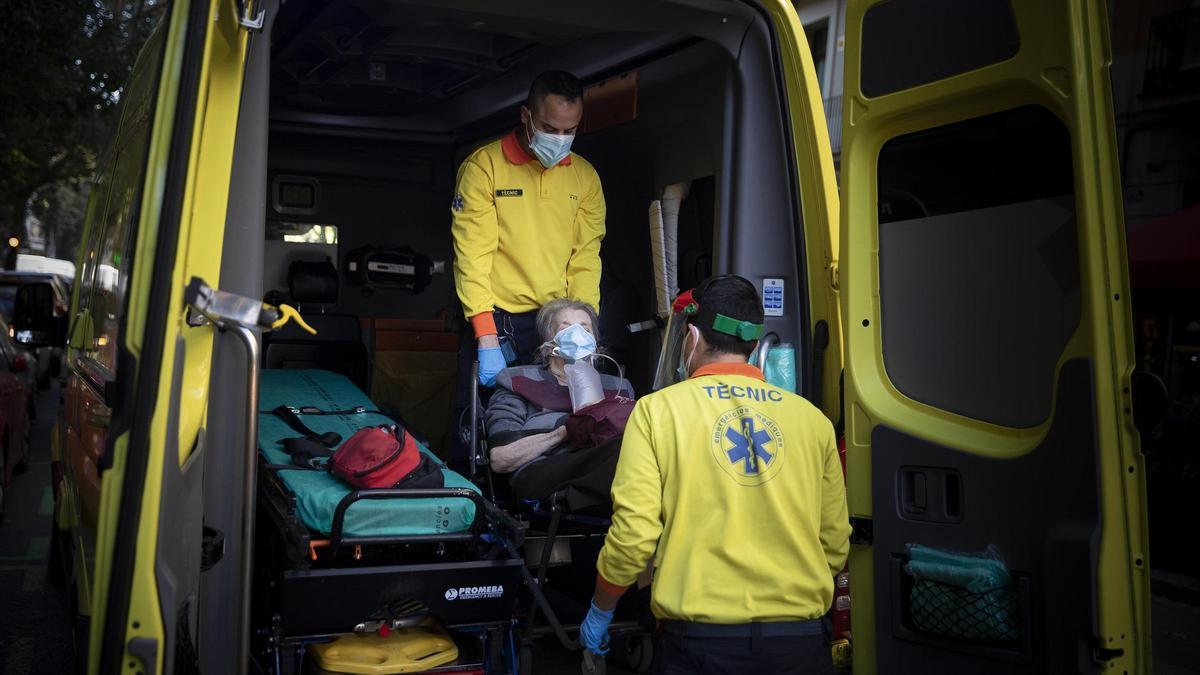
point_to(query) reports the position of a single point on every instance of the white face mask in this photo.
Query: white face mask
(550, 149)
(573, 343)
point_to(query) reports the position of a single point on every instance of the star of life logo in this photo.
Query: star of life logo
(474, 592)
(748, 446)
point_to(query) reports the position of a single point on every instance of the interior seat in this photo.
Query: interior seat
(338, 345)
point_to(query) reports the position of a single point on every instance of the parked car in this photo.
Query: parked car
(63, 269)
(16, 407)
(49, 359)
(33, 364)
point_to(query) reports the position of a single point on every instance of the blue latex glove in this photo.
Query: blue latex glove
(593, 632)
(491, 362)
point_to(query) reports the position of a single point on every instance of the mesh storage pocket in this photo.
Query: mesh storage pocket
(956, 612)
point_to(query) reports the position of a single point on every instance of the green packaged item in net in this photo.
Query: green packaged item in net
(962, 596)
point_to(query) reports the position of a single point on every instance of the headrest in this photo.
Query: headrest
(313, 281)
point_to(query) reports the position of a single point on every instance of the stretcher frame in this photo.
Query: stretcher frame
(313, 588)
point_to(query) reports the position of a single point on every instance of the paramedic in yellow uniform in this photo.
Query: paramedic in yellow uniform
(734, 489)
(528, 218)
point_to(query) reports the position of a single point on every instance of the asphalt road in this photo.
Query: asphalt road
(35, 631)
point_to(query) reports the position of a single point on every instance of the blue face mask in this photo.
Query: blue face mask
(574, 342)
(550, 149)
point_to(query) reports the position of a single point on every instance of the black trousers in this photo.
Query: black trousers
(681, 654)
(521, 330)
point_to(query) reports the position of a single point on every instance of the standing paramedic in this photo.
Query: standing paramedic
(734, 488)
(528, 217)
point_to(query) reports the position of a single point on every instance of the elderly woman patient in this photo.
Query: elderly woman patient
(526, 414)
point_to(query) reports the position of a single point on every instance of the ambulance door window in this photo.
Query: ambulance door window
(81, 337)
(979, 266)
(114, 249)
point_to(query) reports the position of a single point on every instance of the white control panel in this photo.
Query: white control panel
(772, 296)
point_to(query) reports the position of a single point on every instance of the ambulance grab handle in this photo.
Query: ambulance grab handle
(764, 347)
(238, 315)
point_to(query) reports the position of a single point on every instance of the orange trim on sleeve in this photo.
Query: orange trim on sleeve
(484, 324)
(609, 587)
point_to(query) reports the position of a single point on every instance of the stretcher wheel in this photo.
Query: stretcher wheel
(638, 653)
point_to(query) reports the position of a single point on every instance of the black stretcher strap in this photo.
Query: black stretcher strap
(291, 417)
(313, 410)
(306, 453)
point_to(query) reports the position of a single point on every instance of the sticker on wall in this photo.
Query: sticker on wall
(772, 296)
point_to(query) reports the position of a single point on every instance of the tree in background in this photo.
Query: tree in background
(65, 62)
(61, 208)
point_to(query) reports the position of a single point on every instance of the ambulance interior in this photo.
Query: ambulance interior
(373, 105)
(367, 108)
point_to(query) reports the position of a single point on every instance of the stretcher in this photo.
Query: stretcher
(332, 560)
(318, 493)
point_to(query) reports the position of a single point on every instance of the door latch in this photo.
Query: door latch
(223, 308)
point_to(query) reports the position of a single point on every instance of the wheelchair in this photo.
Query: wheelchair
(562, 533)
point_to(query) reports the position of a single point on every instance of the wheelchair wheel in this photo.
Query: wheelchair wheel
(638, 653)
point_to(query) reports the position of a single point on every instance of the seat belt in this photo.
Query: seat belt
(306, 453)
(291, 416)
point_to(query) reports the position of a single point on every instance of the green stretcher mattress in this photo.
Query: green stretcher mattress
(317, 493)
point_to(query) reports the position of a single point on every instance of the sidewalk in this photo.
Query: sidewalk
(35, 633)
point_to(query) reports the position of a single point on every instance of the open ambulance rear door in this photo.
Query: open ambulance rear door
(988, 345)
(165, 225)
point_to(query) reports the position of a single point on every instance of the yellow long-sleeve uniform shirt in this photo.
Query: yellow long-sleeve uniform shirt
(524, 235)
(735, 487)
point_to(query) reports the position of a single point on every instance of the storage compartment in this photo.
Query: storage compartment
(957, 613)
(946, 616)
(335, 601)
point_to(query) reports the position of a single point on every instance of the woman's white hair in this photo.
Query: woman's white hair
(547, 323)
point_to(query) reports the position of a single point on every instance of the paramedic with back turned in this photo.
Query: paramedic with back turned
(528, 218)
(734, 488)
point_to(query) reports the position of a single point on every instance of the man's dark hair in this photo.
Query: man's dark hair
(736, 298)
(557, 82)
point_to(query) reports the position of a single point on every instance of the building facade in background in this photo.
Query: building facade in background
(1156, 92)
(824, 24)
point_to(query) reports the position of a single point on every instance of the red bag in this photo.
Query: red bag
(375, 458)
(599, 422)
